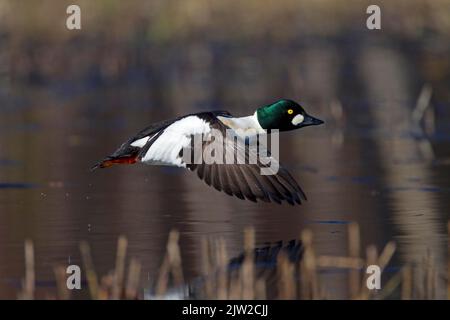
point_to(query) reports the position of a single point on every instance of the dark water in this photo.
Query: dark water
(367, 164)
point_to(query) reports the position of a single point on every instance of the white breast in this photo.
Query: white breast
(166, 149)
(244, 126)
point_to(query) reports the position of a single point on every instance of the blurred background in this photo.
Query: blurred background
(70, 97)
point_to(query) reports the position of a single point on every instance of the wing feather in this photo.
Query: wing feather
(243, 179)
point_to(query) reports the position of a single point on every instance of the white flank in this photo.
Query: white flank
(244, 126)
(166, 149)
(298, 119)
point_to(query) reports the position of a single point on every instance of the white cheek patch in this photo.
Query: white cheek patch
(298, 119)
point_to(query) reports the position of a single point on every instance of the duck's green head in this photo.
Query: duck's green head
(285, 115)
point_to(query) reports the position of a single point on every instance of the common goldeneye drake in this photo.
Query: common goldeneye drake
(163, 143)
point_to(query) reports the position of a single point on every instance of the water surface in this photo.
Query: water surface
(367, 164)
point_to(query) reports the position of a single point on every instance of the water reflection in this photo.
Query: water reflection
(417, 233)
(364, 165)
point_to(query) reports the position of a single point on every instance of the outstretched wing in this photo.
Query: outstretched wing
(130, 151)
(160, 143)
(243, 179)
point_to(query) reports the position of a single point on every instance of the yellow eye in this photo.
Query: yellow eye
(290, 111)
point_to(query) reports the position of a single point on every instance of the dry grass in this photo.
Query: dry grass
(290, 280)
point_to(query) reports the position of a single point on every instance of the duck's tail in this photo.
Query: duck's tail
(109, 161)
(126, 154)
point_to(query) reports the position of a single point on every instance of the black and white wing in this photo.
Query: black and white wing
(130, 151)
(162, 142)
(244, 179)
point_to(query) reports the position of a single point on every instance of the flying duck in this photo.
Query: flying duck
(163, 143)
